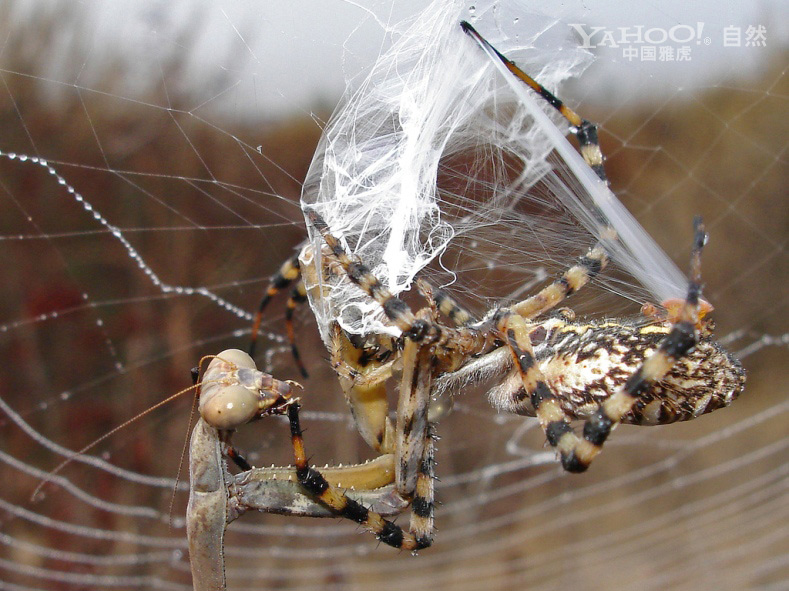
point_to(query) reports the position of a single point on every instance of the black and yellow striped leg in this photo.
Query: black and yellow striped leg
(412, 407)
(583, 129)
(419, 329)
(395, 309)
(334, 499)
(414, 468)
(297, 296)
(288, 272)
(423, 503)
(586, 269)
(441, 302)
(451, 309)
(682, 337)
(596, 258)
(553, 420)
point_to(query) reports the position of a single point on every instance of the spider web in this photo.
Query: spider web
(150, 174)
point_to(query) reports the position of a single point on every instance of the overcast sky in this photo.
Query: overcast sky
(291, 54)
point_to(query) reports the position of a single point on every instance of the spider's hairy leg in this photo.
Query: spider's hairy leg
(583, 129)
(415, 467)
(423, 503)
(330, 496)
(585, 270)
(412, 406)
(536, 392)
(364, 385)
(289, 272)
(680, 340)
(596, 258)
(451, 309)
(360, 274)
(297, 296)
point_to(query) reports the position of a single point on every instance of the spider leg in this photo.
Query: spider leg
(289, 272)
(585, 269)
(583, 129)
(413, 446)
(337, 501)
(366, 397)
(680, 340)
(553, 420)
(423, 503)
(418, 329)
(415, 465)
(396, 310)
(297, 296)
(451, 309)
(412, 439)
(412, 406)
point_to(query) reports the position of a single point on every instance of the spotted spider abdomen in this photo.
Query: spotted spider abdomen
(585, 363)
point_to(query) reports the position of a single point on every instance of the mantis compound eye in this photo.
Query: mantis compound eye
(230, 407)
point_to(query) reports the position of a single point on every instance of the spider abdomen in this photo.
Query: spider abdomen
(585, 363)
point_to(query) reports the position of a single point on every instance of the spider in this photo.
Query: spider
(545, 365)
